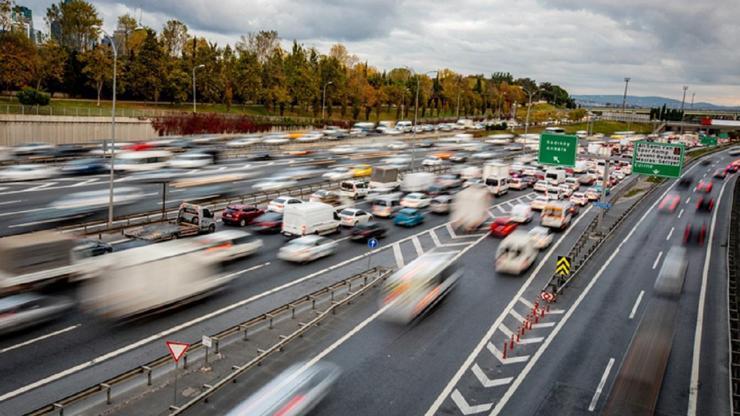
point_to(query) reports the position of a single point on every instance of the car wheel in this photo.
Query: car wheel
(242, 222)
(212, 228)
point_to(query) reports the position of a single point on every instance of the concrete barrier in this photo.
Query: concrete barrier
(17, 129)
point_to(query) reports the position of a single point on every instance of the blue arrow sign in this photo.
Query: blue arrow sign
(372, 243)
(602, 205)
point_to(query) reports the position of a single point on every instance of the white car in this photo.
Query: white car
(350, 217)
(432, 161)
(518, 184)
(400, 161)
(441, 204)
(484, 155)
(415, 200)
(343, 150)
(32, 148)
(521, 213)
(541, 237)
(310, 137)
(275, 139)
(573, 182)
(592, 194)
(566, 190)
(191, 160)
(553, 193)
(228, 245)
(28, 172)
(338, 174)
(272, 185)
(579, 198)
(398, 146)
(540, 186)
(449, 181)
(244, 141)
(278, 204)
(539, 203)
(308, 248)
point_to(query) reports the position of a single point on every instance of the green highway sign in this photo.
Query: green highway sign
(558, 149)
(724, 136)
(708, 140)
(658, 159)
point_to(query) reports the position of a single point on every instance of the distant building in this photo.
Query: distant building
(21, 18)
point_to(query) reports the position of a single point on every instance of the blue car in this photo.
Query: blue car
(408, 217)
(85, 167)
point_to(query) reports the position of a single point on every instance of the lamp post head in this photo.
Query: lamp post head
(200, 66)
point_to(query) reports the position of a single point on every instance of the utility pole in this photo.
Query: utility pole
(624, 99)
(416, 115)
(529, 107)
(323, 99)
(194, 68)
(683, 100)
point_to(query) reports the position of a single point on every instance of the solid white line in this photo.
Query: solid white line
(10, 202)
(31, 341)
(451, 231)
(503, 328)
(680, 213)
(670, 233)
(657, 260)
(123, 240)
(595, 399)
(484, 341)
(398, 255)
(637, 304)
(501, 209)
(86, 182)
(343, 238)
(694, 386)
(259, 266)
(417, 246)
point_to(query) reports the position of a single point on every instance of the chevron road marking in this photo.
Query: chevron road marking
(467, 409)
(487, 382)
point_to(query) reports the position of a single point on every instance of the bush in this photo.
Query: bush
(32, 96)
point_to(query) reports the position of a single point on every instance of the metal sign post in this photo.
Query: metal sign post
(372, 244)
(177, 350)
(207, 342)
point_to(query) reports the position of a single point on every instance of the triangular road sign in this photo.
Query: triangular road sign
(177, 349)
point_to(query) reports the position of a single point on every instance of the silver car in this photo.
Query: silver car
(27, 309)
(308, 248)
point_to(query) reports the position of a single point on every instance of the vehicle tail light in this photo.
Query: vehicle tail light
(288, 407)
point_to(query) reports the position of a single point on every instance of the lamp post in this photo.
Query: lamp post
(323, 98)
(112, 132)
(194, 68)
(416, 117)
(683, 100)
(529, 107)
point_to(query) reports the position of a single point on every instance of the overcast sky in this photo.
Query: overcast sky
(587, 46)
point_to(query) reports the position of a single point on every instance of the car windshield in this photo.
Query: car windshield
(269, 217)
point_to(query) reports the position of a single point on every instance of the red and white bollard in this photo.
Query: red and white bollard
(505, 347)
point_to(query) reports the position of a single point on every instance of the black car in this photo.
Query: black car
(705, 203)
(269, 222)
(91, 248)
(705, 162)
(259, 156)
(367, 231)
(425, 143)
(85, 167)
(685, 181)
(68, 150)
(695, 233)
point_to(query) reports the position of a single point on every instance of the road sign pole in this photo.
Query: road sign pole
(603, 191)
(174, 398)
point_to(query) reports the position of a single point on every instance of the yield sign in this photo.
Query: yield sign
(177, 349)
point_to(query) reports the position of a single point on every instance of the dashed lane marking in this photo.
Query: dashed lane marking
(398, 255)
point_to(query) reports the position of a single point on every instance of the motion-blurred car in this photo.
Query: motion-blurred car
(408, 217)
(296, 391)
(669, 202)
(307, 248)
(240, 214)
(397, 146)
(274, 184)
(191, 160)
(432, 161)
(541, 237)
(28, 172)
(579, 198)
(259, 156)
(458, 158)
(733, 167)
(538, 204)
(415, 200)
(694, 233)
(327, 197)
(521, 213)
(33, 149)
(337, 174)
(343, 150)
(367, 231)
(672, 273)
(29, 309)
(704, 186)
(85, 167)
(685, 181)
(705, 203)
(349, 217)
(269, 222)
(503, 226)
(440, 204)
(515, 254)
(449, 180)
(243, 141)
(720, 173)
(228, 245)
(86, 248)
(362, 170)
(278, 204)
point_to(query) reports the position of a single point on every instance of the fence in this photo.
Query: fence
(733, 270)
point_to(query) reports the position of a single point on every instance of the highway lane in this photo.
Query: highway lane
(94, 338)
(571, 376)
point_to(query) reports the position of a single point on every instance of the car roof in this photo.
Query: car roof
(307, 239)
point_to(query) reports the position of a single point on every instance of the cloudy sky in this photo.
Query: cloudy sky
(587, 46)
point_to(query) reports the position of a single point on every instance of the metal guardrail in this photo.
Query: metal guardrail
(733, 271)
(360, 282)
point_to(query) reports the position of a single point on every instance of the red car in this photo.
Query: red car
(720, 173)
(241, 215)
(503, 226)
(705, 203)
(695, 233)
(669, 202)
(733, 167)
(704, 186)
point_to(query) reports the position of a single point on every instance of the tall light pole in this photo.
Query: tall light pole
(194, 68)
(624, 99)
(683, 100)
(416, 115)
(323, 99)
(693, 94)
(112, 130)
(529, 106)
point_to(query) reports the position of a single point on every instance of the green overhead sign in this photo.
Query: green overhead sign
(658, 159)
(724, 136)
(558, 149)
(708, 140)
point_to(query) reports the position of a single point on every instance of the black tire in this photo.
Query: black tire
(212, 228)
(195, 220)
(242, 222)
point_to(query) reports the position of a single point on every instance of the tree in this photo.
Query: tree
(174, 36)
(126, 26)
(49, 67)
(18, 60)
(263, 44)
(145, 70)
(501, 77)
(77, 24)
(98, 67)
(577, 114)
(6, 8)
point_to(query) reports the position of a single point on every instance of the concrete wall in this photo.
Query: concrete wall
(17, 129)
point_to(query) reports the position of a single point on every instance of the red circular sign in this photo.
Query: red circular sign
(547, 296)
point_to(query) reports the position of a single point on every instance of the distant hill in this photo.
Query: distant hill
(632, 101)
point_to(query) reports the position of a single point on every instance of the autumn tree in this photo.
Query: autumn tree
(173, 38)
(50, 61)
(76, 23)
(98, 67)
(18, 60)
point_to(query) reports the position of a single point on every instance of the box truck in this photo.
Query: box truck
(496, 177)
(309, 218)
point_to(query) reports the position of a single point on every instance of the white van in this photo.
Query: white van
(384, 206)
(404, 126)
(142, 161)
(354, 189)
(309, 218)
(555, 176)
(556, 215)
(417, 182)
(228, 245)
(515, 254)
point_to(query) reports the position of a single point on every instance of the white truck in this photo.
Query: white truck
(191, 220)
(417, 181)
(555, 176)
(384, 179)
(150, 278)
(496, 177)
(470, 208)
(556, 215)
(309, 218)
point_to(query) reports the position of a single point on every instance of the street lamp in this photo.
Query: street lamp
(529, 107)
(416, 115)
(113, 130)
(683, 100)
(194, 68)
(323, 98)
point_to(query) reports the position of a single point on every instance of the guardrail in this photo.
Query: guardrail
(733, 271)
(334, 296)
(592, 238)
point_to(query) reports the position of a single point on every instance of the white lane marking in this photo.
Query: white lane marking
(123, 240)
(505, 361)
(680, 213)
(657, 260)
(2, 188)
(688, 199)
(636, 305)
(451, 231)
(487, 382)
(36, 188)
(704, 176)
(343, 238)
(670, 233)
(435, 238)
(43, 337)
(484, 342)
(398, 255)
(490, 214)
(83, 183)
(455, 244)
(543, 325)
(467, 409)
(526, 303)
(600, 387)
(694, 385)
(503, 328)
(22, 212)
(508, 203)
(501, 210)
(516, 315)
(10, 202)
(259, 266)
(556, 312)
(417, 246)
